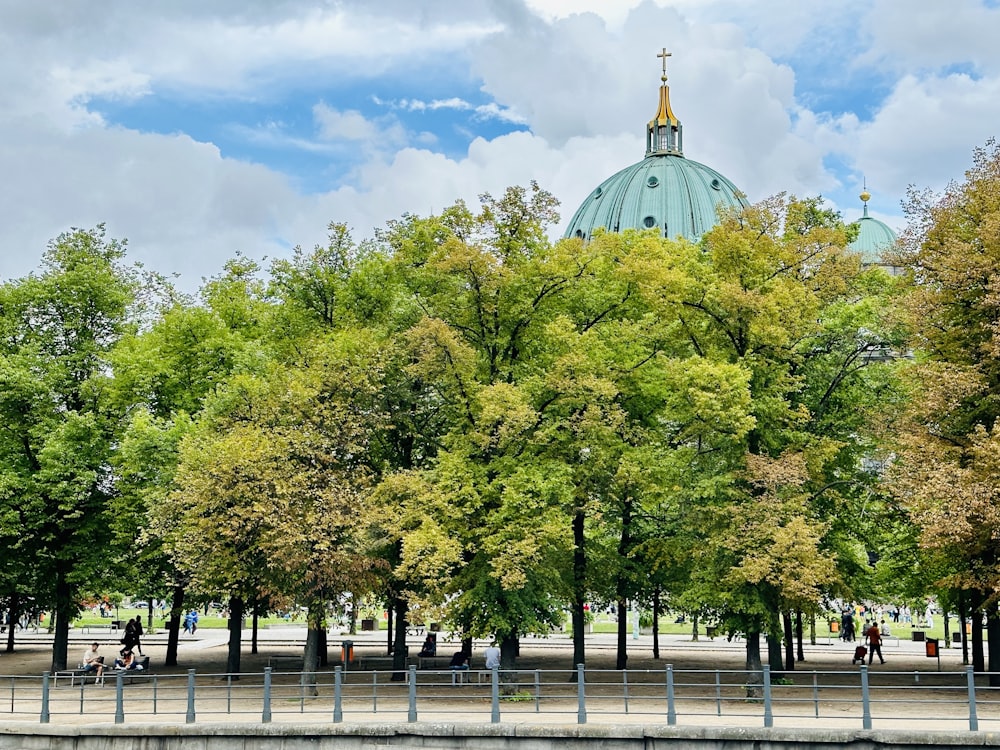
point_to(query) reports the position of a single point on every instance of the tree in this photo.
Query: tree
(946, 472)
(56, 330)
(774, 291)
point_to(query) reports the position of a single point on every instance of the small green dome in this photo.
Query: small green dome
(874, 237)
(663, 191)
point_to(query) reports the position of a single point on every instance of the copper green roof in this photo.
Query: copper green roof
(665, 190)
(874, 236)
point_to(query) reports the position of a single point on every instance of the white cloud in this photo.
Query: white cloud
(581, 76)
(491, 111)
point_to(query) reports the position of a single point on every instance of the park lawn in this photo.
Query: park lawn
(88, 619)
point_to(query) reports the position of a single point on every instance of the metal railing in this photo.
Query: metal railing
(857, 697)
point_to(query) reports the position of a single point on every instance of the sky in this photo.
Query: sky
(199, 130)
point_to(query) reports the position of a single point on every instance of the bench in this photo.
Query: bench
(377, 663)
(433, 662)
(73, 675)
(141, 672)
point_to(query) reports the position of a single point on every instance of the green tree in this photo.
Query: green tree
(945, 471)
(774, 291)
(56, 330)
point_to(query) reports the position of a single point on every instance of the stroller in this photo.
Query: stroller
(859, 655)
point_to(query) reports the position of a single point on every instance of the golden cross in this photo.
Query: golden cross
(664, 54)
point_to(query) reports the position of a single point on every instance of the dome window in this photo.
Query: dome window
(652, 181)
(597, 193)
(716, 185)
(649, 222)
(579, 233)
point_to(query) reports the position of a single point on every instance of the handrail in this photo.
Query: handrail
(726, 697)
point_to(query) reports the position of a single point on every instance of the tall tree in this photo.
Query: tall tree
(56, 330)
(945, 470)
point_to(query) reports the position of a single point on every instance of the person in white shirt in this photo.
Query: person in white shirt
(92, 661)
(492, 655)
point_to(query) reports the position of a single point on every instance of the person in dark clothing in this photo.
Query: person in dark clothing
(460, 660)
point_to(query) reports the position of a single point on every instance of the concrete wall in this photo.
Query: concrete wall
(469, 737)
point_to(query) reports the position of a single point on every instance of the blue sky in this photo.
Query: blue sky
(197, 130)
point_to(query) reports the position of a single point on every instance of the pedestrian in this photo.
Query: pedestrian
(137, 634)
(874, 638)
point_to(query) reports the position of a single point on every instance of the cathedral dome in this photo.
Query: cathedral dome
(665, 190)
(874, 236)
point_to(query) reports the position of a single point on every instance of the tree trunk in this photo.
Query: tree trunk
(235, 636)
(13, 612)
(62, 612)
(324, 647)
(621, 653)
(400, 609)
(801, 656)
(174, 625)
(694, 626)
(390, 631)
(963, 618)
(789, 638)
(310, 655)
(656, 623)
(508, 664)
(978, 655)
(622, 582)
(774, 655)
(579, 588)
(755, 671)
(255, 623)
(993, 634)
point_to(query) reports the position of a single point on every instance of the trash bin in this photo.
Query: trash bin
(918, 635)
(347, 652)
(834, 626)
(931, 647)
(367, 624)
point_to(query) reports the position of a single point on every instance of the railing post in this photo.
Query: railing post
(816, 693)
(412, 714)
(190, 709)
(581, 697)
(768, 714)
(538, 690)
(671, 707)
(718, 693)
(119, 698)
(43, 717)
(338, 706)
(970, 679)
(495, 695)
(265, 714)
(625, 689)
(866, 707)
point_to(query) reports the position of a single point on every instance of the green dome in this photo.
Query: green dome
(676, 195)
(874, 237)
(664, 191)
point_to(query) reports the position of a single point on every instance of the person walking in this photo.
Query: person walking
(874, 637)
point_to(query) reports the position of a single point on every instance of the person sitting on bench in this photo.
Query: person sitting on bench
(92, 661)
(460, 660)
(430, 646)
(126, 660)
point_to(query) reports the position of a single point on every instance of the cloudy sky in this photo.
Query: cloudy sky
(200, 129)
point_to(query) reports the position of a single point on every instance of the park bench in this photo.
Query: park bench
(141, 672)
(79, 673)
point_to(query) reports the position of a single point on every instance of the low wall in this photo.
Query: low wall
(470, 737)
